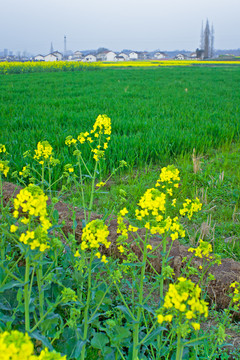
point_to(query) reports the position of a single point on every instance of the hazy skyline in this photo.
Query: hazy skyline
(32, 25)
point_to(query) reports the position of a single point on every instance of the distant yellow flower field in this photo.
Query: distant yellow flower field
(148, 63)
(49, 66)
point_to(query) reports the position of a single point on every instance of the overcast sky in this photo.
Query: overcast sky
(116, 24)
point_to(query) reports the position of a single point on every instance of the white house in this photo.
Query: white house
(58, 55)
(125, 56)
(110, 56)
(101, 56)
(89, 58)
(119, 58)
(133, 55)
(77, 55)
(51, 57)
(193, 55)
(159, 55)
(38, 58)
(106, 56)
(180, 57)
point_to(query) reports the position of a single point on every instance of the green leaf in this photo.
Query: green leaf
(75, 224)
(36, 335)
(78, 348)
(99, 341)
(122, 333)
(6, 318)
(126, 312)
(5, 306)
(52, 320)
(150, 339)
(55, 215)
(149, 309)
(11, 285)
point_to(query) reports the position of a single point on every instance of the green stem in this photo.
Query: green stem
(140, 301)
(120, 353)
(179, 347)
(31, 283)
(164, 247)
(10, 274)
(40, 290)
(1, 192)
(46, 313)
(43, 176)
(49, 181)
(126, 305)
(86, 309)
(216, 343)
(82, 192)
(92, 193)
(100, 303)
(51, 185)
(148, 333)
(10, 271)
(85, 166)
(2, 239)
(26, 295)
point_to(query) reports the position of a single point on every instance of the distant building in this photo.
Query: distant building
(50, 57)
(143, 55)
(38, 58)
(180, 57)
(133, 55)
(159, 55)
(199, 54)
(125, 56)
(59, 55)
(119, 58)
(106, 56)
(77, 55)
(90, 58)
(193, 55)
(101, 56)
(110, 56)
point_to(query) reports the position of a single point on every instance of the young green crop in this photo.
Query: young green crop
(157, 113)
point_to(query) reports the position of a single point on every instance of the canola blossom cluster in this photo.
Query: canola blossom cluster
(4, 168)
(97, 139)
(30, 207)
(44, 153)
(204, 250)
(168, 178)
(183, 302)
(94, 235)
(153, 205)
(2, 148)
(15, 345)
(123, 230)
(190, 207)
(236, 295)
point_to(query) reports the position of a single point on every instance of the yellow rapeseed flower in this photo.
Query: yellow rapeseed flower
(2, 148)
(13, 228)
(182, 300)
(4, 168)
